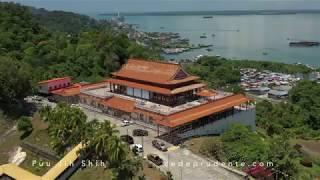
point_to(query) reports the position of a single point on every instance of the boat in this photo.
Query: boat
(304, 43)
(207, 17)
(198, 57)
(203, 36)
(204, 45)
(209, 49)
(161, 27)
(265, 53)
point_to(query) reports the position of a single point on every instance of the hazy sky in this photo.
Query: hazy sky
(92, 6)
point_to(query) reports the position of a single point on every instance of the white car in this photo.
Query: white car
(126, 123)
(75, 105)
(137, 147)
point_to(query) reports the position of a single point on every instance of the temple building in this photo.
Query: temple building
(162, 96)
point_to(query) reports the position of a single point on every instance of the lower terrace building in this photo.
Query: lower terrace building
(163, 97)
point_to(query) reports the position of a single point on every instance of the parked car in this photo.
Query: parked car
(155, 159)
(137, 148)
(52, 99)
(126, 123)
(126, 138)
(75, 105)
(159, 145)
(140, 132)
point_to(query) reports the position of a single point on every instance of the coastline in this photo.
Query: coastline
(220, 12)
(234, 36)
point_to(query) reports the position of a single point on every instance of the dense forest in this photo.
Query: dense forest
(38, 44)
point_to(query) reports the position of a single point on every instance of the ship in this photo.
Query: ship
(304, 43)
(119, 18)
(203, 35)
(207, 17)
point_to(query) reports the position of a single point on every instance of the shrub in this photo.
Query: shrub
(306, 162)
(25, 125)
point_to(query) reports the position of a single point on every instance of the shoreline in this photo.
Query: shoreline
(220, 12)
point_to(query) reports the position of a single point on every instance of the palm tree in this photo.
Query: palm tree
(45, 113)
(102, 142)
(67, 126)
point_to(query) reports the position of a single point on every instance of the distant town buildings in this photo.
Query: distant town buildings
(274, 85)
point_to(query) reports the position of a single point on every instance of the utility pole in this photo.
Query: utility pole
(142, 147)
(168, 162)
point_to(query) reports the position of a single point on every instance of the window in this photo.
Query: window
(129, 91)
(145, 94)
(137, 92)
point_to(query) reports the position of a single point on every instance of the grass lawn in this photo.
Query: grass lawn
(40, 167)
(10, 144)
(194, 144)
(99, 173)
(153, 173)
(39, 136)
(96, 173)
(310, 147)
(4, 125)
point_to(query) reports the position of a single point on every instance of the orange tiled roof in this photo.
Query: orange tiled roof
(54, 79)
(76, 88)
(157, 117)
(119, 103)
(155, 88)
(68, 91)
(206, 93)
(153, 71)
(192, 114)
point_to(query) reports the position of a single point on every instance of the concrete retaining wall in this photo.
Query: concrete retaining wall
(246, 117)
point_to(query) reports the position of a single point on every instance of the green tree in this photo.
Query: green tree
(102, 142)
(169, 175)
(25, 126)
(306, 94)
(15, 80)
(241, 144)
(283, 156)
(129, 168)
(66, 126)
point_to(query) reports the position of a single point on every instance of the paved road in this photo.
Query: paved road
(182, 163)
